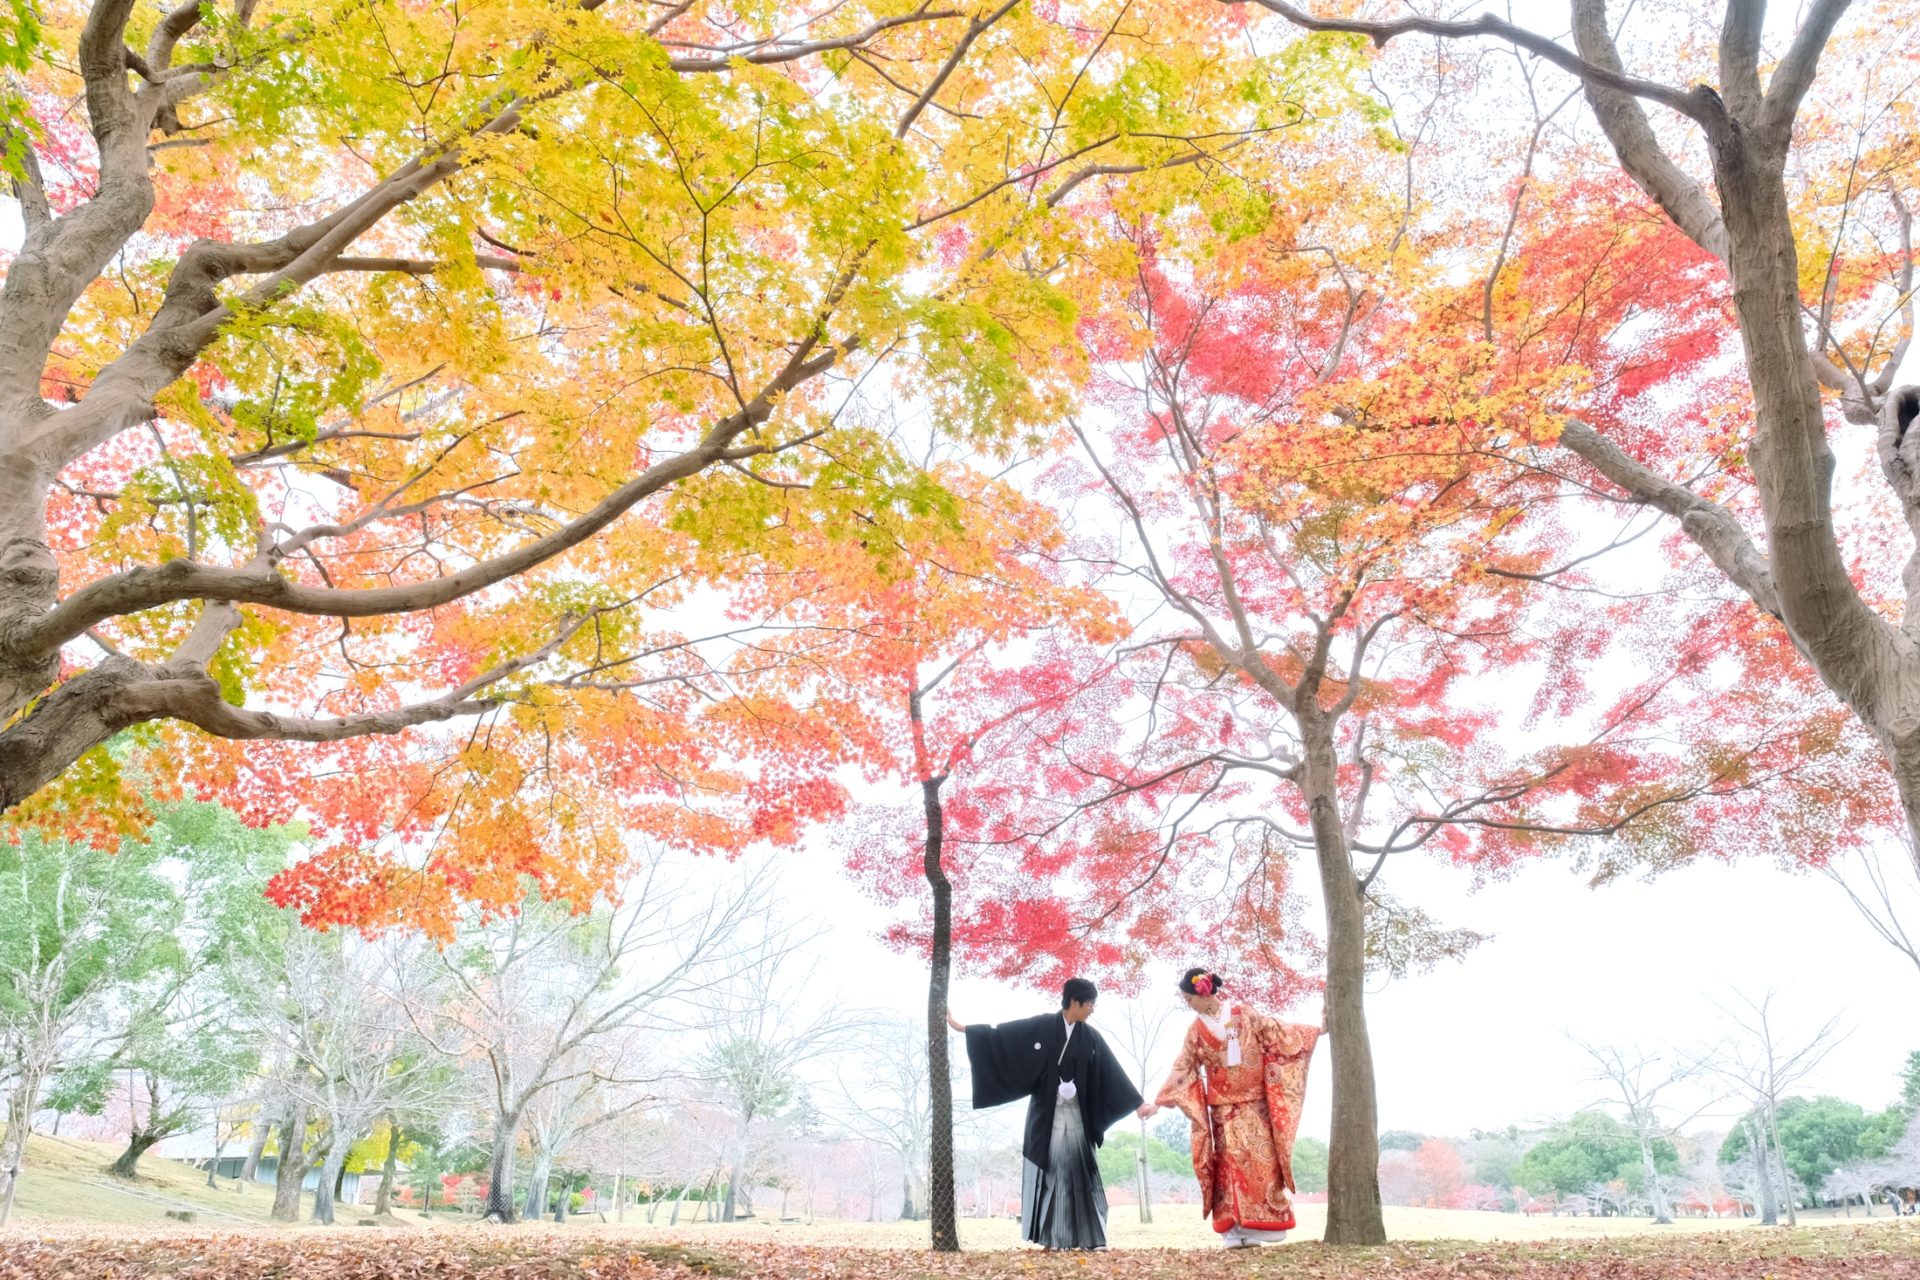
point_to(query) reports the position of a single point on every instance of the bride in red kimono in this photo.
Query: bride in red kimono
(1239, 1080)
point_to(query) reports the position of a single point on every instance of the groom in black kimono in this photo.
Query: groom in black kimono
(1075, 1090)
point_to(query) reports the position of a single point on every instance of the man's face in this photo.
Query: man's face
(1079, 1010)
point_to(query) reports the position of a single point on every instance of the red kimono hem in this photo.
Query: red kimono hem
(1224, 1225)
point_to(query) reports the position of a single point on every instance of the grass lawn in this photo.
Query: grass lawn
(67, 1182)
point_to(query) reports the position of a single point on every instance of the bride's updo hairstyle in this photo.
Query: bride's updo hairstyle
(1201, 982)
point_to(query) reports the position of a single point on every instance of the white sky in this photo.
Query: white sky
(1483, 1042)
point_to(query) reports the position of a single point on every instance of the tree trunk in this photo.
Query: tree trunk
(940, 1189)
(619, 1200)
(138, 1144)
(535, 1207)
(257, 1148)
(383, 1198)
(1763, 1165)
(219, 1148)
(1662, 1212)
(140, 1139)
(563, 1202)
(20, 1108)
(327, 1188)
(500, 1171)
(673, 1219)
(293, 1165)
(1353, 1163)
(729, 1206)
(1780, 1162)
(1146, 1203)
(1857, 653)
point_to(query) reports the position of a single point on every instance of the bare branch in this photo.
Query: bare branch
(1687, 103)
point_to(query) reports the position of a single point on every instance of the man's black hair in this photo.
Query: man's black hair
(1077, 991)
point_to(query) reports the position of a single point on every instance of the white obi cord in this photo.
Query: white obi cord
(1225, 1029)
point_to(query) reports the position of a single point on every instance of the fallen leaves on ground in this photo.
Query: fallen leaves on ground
(1865, 1253)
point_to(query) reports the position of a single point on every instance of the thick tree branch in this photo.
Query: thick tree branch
(1794, 76)
(1687, 103)
(264, 584)
(102, 55)
(421, 266)
(1740, 58)
(1640, 153)
(120, 692)
(192, 312)
(183, 691)
(168, 33)
(62, 257)
(29, 185)
(1711, 526)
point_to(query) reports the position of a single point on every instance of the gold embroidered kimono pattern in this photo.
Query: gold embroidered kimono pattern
(1243, 1117)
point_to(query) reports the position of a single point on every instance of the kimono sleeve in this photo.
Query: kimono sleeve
(1110, 1093)
(1185, 1090)
(1006, 1061)
(1287, 1048)
(1286, 1039)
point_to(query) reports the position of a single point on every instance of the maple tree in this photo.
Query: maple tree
(366, 371)
(1788, 179)
(969, 665)
(1307, 435)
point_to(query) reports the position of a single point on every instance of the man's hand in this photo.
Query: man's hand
(954, 1022)
(1146, 1111)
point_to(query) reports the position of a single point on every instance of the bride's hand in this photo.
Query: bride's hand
(1147, 1111)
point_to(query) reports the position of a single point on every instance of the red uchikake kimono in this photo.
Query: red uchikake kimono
(1244, 1117)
